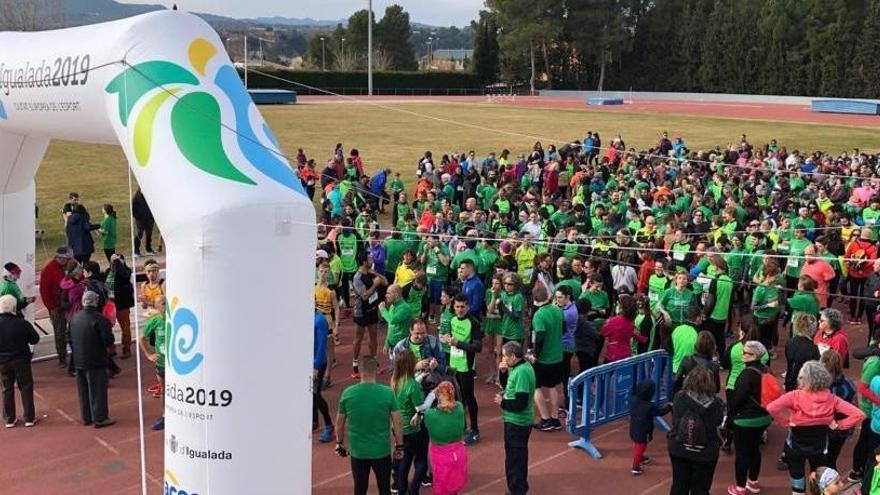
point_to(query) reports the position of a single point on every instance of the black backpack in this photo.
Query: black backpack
(690, 430)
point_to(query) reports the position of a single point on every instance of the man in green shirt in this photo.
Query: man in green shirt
(348, 243)
(154, 331)
(394, 248)
(717, 308)
(9, 286)
(435, 258)
(465, 341)
(367, 413)
(547, 327)
(518, 379)
(397, 313)
(683, 340)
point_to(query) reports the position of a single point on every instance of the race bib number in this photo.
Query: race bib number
(823, 348)
(347, 252)
(653, 297)
(455, 352)
(678, 256)
(460, 188)
(431, 270)
(373, 298)
(706, 282)
(783, 246)
(793, 263)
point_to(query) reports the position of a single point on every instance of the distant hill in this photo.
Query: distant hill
(297, 22)
(80, 12)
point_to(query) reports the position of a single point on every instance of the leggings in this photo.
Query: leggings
(639, 453)
(344, 289)
(318, 402)
(466, 385)
(796, 467)
(415, 455)
(566, 373)
(360, 471)
(768, 334)
(856, 303)
(747, 442)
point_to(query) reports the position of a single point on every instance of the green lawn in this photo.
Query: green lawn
(395, 139)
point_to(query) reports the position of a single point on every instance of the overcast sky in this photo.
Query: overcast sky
(433, 12)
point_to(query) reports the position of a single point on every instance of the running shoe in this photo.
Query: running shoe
(555, 424)
(472, 437)
(29, 424)
(12, 424)
(646, 460)
(753, 486)
(428, 480)
(637, 470)
(159, 424)
(736, 490)
(326, 434)
(854, 476)
(355, 375)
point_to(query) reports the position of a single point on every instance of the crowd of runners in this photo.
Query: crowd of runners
(561, 259)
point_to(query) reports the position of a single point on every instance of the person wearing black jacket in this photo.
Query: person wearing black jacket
(587, 341)
(749, 418)
(144, 221)
(15, 362)
(121, 291)
(90, 335)
(800, 348)
(694, 443)
(641, 421)
(517, 378)
(465, 341)
(704, 353)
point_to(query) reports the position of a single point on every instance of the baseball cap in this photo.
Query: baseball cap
(321, 254)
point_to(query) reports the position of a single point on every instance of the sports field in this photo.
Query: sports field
(395, 134)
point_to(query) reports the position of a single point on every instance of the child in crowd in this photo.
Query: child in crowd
(641, 422)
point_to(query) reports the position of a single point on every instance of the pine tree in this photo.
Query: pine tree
(392, 36)
(866, 65)
(486, 63)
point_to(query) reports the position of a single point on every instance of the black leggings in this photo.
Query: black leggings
(466, 386)
(856, 303)
(768, 334)
(415, 454)
(797, 470)
(343, 292)
(566, 373)
(747, 442)
(318, 402)
(360, 471)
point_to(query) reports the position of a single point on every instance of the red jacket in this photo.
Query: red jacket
(814, 409)
(619, 332)
(861, 250)
(645, 272)
(50, 284)
(837, 341)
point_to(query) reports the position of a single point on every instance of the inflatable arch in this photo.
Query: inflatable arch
(238, 228)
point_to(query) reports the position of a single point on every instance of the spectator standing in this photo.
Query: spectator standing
(547, 328)
(841, 386)
(79, 233)
(91, 335)
(367, 416)
(51, 275)
(518, 381)
(121, 291)
(108, 230)
(16, 334)
(409, 395)
(641, 422)
(143, 219)
(9, 286)
(465, 340)
(319, 366)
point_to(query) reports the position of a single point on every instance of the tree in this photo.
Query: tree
(866, 66)
(526, 27)
(356, 37)
(486, 63)
(320, 54)
(30, 15)
(393, 37)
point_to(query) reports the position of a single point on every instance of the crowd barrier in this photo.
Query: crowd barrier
(605, 394)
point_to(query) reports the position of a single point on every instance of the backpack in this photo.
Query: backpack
(858, 259)
(770, 388)
(691, 431)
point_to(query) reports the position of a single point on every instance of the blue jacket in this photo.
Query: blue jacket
(322, 329)
(473, 289)
(430, 349)
(79, 235)
(643, 411)
(377, 183)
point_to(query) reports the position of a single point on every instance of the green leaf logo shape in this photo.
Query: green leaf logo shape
(195, 122)
(143, 126)
(136, 81)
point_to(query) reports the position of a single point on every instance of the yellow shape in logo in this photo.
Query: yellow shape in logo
(201, 51)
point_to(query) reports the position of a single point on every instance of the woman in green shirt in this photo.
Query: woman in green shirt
(445, 425)
(408, 395)
(108, 230)
(765, 306)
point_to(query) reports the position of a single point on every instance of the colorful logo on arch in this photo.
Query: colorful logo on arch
(182, 335)
(3, 115)
(173, 486)
(196, 120)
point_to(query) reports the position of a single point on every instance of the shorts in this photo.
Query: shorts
(367, 319)
(492, 326)
(547, 375)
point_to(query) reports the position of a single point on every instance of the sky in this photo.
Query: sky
(432, 12)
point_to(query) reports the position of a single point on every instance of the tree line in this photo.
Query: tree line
(785, 47)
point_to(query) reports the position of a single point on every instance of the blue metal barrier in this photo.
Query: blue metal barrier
(605, 394)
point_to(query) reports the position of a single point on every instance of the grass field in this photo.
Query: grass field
(397, 139)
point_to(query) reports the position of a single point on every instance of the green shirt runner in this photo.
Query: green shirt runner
(549, 320)
(368, 408)
(520, 379)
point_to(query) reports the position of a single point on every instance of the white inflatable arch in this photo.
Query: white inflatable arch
(238, 228)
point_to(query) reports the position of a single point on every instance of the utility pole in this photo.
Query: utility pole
(323, 60)
(370, 47)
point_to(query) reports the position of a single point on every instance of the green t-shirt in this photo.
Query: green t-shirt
(488, 257)
(511, 316)
(723, 292)
(549, 320)
(677, 303)
(445, 327)
(657, 285)
(368, 408)
(10, 288)
(445, 427)
(684, 340)
(399, 316)
(598, 300)
(108, 225)
(520, 378)
(462, 331)
(572, 284)
(762, 296)
(794, 264)
(154, 330)
(408, 396)
(415, 297)
(467, 254)
(804, 302)
(394, 249)
(434, 268)
(870, 369)
(348, 244)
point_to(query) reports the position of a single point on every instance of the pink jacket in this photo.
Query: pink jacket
(618, 333)
(814, 409)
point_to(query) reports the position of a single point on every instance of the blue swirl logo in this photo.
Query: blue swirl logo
(2, 112)
(182, 326)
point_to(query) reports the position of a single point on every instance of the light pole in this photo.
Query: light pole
(323, 61)
(428, 54)
(343, 47)
(369, 47)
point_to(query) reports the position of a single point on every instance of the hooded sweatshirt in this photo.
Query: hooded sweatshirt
(711, 410)
(643, 411)
(806, 408)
